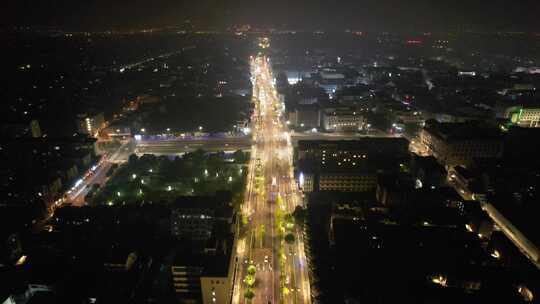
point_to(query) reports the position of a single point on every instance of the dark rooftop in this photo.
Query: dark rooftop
(462, 131)
(361, 143)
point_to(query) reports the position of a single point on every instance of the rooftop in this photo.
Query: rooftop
(359, 144)
(462, 131)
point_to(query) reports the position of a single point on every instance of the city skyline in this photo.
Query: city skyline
(386, 15)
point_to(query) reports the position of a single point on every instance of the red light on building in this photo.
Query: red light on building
(414, 41)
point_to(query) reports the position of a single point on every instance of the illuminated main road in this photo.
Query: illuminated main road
(98, 174)
(270, 180)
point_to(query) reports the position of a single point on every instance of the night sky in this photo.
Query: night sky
(423, 15)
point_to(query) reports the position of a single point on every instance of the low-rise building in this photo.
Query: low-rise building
(39, 169)
(427, 172)
(197, 241)
(90, 124)
(194, 217)
(525, 117)
(342, 119)
(21, 128)
(455, 144)
(305, 116)
(356, 94)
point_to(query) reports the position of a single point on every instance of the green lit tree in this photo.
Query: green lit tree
(251, 270)
(289, 238)
(249, 294)
(285, 291)
(250, 280)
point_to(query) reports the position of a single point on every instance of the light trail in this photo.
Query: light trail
(272, 151)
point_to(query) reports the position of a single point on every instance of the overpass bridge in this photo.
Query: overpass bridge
(228, 144)
(179, 146)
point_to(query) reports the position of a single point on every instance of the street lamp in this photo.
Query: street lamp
(200, 128)
(143, 130)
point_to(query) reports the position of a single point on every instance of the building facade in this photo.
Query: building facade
(342, 120)
(348, 166)
(359, 181)
(305, 116)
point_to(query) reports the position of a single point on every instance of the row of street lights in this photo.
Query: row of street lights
(143, 130)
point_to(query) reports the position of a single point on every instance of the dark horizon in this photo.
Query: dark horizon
(369, 15)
